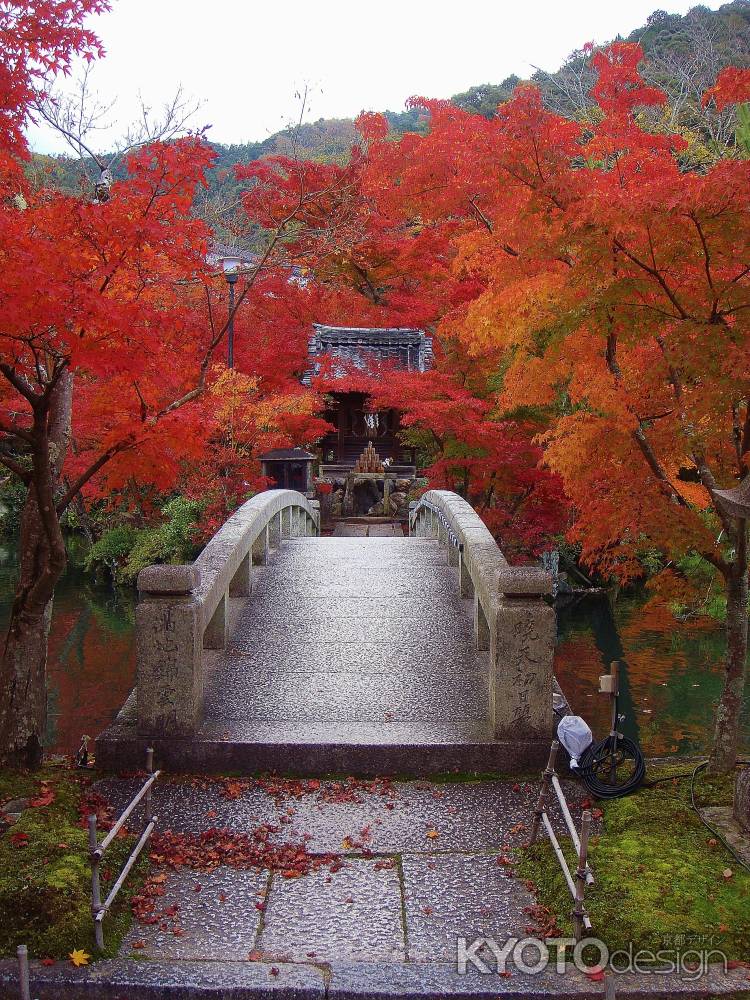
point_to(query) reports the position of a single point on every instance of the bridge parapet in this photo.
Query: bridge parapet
(186, 611)
(512, 619)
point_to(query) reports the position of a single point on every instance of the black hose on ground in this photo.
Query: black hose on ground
(603, 757)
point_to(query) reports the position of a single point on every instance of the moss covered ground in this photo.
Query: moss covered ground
(662, 879)
(45, 876)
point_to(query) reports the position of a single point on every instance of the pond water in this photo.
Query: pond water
(91, 666)
(672, 677)
(669, 687)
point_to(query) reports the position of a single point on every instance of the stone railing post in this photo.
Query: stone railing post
(260, 548)
(315, 504)
(522, 642)
(286, 522)
(412, 528)
(275, 531)
(169, 641)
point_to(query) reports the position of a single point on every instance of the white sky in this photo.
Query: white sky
(244, 59)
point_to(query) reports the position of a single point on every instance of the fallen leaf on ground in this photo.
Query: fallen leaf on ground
(45, 796)
(79, 957)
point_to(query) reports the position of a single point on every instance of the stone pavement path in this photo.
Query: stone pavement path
(416, 864)
(352, 529)
(350, 642)
(375, 918)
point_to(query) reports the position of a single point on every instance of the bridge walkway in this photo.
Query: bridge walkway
(351, 651)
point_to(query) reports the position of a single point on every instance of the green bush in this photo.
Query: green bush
(112, 551)
(123, 551)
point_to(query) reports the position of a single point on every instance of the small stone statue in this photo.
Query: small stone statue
(82, 755)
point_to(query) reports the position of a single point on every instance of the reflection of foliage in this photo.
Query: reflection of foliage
(689, 585)
(12, 499)
(123, 551)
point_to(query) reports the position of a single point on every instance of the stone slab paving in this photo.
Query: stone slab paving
(380, 926)
(215, 916)
(459, 895)
(461, 817)
(344, 529)
(354, 914)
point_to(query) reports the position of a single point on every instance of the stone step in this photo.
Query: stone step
(251, 748)
(274, 695)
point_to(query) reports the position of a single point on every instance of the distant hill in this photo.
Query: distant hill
(683, 56)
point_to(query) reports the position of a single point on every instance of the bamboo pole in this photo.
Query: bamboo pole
(559, 854)
(579, 911)
(570, 824)
(547, 778)
(124, 816)
(149, 771)
(96, 894)
(23, 971)
(126, 869)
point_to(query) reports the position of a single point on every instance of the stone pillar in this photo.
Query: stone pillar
(315, 504)
(241, 583)
(412, 507)
(260, 548)
(481, 626)
(274, 531)
(168, 631)
(286, 522)
(465, 585)
(521, 652)
(215, 633)
(453, 555)
(442, 534)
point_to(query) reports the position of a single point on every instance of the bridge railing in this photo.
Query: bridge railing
(185, 612)
(513, 620)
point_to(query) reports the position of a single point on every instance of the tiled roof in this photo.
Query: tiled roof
(409, 348)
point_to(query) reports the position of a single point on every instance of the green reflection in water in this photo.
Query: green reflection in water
(672, 677)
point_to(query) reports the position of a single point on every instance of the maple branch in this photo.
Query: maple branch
(655, 273)
(21, 385)
(18, 470)
(706, 261)
(638, 432)
(480, 215)
(92, 470)
(18, 432)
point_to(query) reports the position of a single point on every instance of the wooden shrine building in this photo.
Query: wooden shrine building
(355, 422)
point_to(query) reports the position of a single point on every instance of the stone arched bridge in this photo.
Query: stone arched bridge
(281, 650)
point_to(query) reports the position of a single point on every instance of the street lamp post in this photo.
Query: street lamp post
(231, 266)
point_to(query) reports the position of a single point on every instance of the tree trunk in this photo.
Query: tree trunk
(23, 669)
(726, 733)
